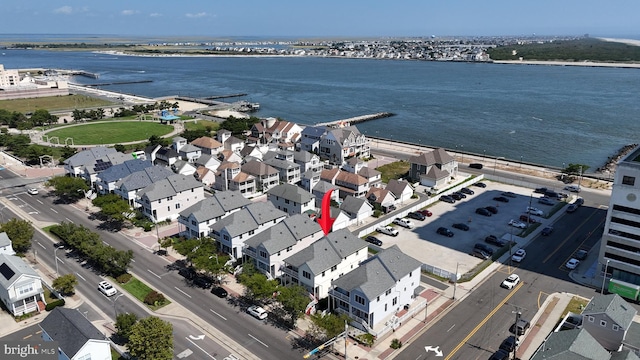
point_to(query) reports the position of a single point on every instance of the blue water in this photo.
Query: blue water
(545, 114)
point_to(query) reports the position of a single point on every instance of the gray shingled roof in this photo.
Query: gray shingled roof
(4, 239)
(89, 156)
(274, 239)
(397, 187)
(248, 218)
(189, 148)
(352, 204)
(215, 206)
(369, 172)
(314, 131)
(142, 179)
(258, 168)
(328, 251)
(574, 344)
(170, 186)
(17, 266)
(120, 171)
(291, 192)
(633, 335)
(303, 156)
(624, 355)
(324, 186)
(281, 164)
(301, 226)
(70, 329)
(379, 273)
(614, 306)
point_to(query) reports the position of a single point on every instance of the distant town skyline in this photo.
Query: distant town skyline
(329, 18)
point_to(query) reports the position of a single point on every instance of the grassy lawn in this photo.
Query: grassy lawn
(53, 103)
(394, 170)
(140, 290)
(201, 125)
(111, 132)
(575, 306)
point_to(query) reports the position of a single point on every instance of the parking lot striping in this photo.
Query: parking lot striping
(42, 246)
(256, 339)
(561, 245)
(154, 274)
(53, 210)
(503, 302)
(80, 276)
(223, 318)
(539, 295)
(40, 202)
(183, 292)
(26, 337)
(201, 349)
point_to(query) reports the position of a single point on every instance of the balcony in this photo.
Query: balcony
(292, 272)
(340, 296)
(250, 252)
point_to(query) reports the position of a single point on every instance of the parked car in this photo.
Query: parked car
(106, 288)
(387, 230)
(500, 355)
(562, 195)
(572, 264)
(32, 191)
(547, 231)
(480, 184)
(551, 194)
(425, 212)
(373, 240)
(519, 255)
(444, 231)
(475, 166)
(404, 222)
(579, 201)
(467, 191)
(546, 201)
(480, 254)
(416, 215)
(493, 240)
(581, 254)
(461, 226)
(257, 312)
(447, 199)
(219, 292)
(540, 190)
(456, 196)
(187, 272)
(528, 219)
(510, 282)
(202, 281)
(483, 211)
(461, 194)
(388, 208)
(492, 209)
(484, 247)
(509, 194)
(572, 208)
(534, 211)
(520, 327)
(509, 344)
(501, 199)
(517, 224)
(572, 188)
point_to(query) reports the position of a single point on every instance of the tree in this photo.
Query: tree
(65, 284)
(257, 285)
(120, 148)
(294, 301)
(328, 326)
(124, 324)
(20, 232)
(576, 169)
(114, 207)
(151, 339)
(165, 242)
(69, 188)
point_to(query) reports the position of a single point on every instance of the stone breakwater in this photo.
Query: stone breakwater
(612, 161)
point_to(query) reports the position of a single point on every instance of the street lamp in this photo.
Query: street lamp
(521, 161)
(604, 277)
(484, 155)
(55, 257)
(455, 282)
(461, 154)
(114, 304)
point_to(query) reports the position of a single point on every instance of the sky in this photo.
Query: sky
(322, 18)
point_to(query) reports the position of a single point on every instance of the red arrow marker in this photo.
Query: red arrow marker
(325, 220)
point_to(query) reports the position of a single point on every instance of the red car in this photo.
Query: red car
(528, 218)
(425, 212)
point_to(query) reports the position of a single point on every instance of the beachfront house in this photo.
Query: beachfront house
(433, 168)
(342, 143)
(77, 337)
(324, 261)
(311, 137)
(164, 199)
(20, 286)
(198, 218)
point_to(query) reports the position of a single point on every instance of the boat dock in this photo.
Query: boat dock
(119, 83)
(224, 96)
(357, 119)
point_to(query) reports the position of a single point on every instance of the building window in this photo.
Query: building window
(388, 292)
(178, 206)
(359, 299)
(286, 201)
(26, 289)
(603, 323)
(615, 327)
(628, 180)
(395, 301)
(323, 273)
(378, 298)
(306, 274)
(590, 318)
(334, 268)
(263, 254)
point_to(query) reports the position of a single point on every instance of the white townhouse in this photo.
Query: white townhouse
(77, 337)
(106, 180)
(233, 230)
(128, 187)
(6, 247)
(186, 151)
(266, 176)
(198, 218)
(291, 199)
(269, 248)
(357, 209)
(324, 261)
(164, 199)
(379, 288)
(402, 190)
(20, 286)
(76, 164)
(307, 161)
(311, 137)
(340, 144)
(231, 177)
(289, 170)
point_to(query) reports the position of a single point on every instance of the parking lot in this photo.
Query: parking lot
(448, 253)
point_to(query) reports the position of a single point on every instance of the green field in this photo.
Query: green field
(201, 125)
(53, 103)
(111, 132)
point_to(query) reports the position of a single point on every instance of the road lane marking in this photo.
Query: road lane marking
(154, 274)
(40, 202)
(80, 276)
(256, 339)
(224, 318)
(42, 246)
(71, 221)
(561, 245)
(201, 349)
(53, 210)
(464, 341)
(539, 297)
(451, 328)
(182, 292)
(57, 258)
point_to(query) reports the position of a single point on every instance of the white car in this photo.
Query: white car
(572, 264)
(404, 222)
(387, 230)
(32, 191)
(106, 288)
(572, 188)
(257, 312)
(510, 282)
(518, 224)
(534, 211)
(519, 255)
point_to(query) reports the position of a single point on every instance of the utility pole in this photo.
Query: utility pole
(346, 335)
(518, 312)
(455, 282)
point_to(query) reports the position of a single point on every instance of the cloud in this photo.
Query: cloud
(198, 15)
(129, 12)
(155, 14)
(64, 10)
